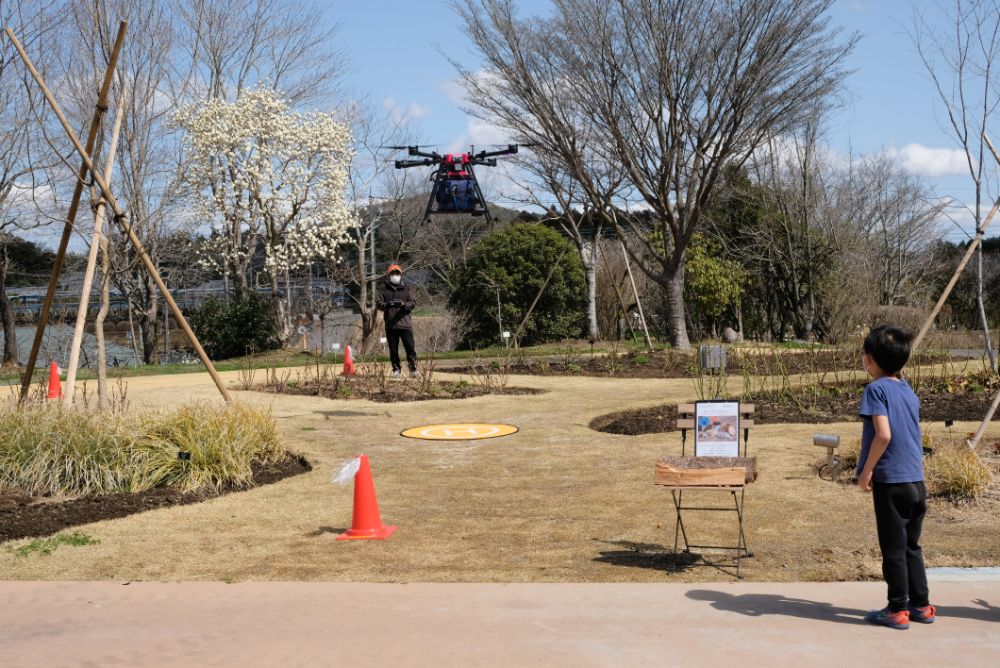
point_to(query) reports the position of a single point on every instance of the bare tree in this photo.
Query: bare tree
(148, 161)
(959, 54)
(671, 92)
(900, 224)
(287, 45)
(570, 209)
(375, 192)
(23, 159)
(793, 242)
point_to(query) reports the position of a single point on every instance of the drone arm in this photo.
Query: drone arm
(488, 162)
(510, 150)
(416, 152)
(403, 164)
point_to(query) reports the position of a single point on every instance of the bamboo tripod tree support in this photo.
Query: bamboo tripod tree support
(88, 275)
(980, 232)
(119, 215)
(95, 124)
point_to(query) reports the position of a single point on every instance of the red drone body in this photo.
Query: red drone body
(455, 188)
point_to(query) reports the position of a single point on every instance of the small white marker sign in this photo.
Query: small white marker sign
(382, 339)
(506, 335)
(334, 346)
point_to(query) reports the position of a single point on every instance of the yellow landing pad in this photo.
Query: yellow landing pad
(459, 432)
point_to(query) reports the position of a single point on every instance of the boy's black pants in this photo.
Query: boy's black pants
(392, 337)
(899, 515)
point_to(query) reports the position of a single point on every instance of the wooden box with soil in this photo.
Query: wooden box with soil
(705, 471)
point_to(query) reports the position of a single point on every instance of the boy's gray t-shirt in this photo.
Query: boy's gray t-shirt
(903, 460)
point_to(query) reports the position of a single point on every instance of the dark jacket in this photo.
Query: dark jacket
(397, 303)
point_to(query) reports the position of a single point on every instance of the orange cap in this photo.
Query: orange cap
(394, 267)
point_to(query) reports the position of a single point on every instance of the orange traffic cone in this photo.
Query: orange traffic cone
(55, 387)
(348, 363)
(367, 522)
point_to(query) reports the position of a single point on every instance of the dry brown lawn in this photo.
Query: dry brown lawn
(555, 502)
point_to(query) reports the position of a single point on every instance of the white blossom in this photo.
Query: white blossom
(264, 174)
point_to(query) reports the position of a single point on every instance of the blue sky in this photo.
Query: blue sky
(396, 50)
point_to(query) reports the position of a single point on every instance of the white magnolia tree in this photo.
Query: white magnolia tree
(268, 179)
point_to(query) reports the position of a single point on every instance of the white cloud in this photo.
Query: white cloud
(453, 90)
(481, 134)
(401, 114)
(929, 161)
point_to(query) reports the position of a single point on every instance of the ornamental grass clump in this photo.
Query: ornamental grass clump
(224, 444)
(48, 449)
(45, 449)
(955, 470)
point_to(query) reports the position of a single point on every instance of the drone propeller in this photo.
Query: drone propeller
(403, 148)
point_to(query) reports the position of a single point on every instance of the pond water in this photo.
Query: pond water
(56, 344)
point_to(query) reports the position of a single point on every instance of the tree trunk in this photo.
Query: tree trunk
(279, 306)
(149, 324)
(589, 259)
(987, 339)
(676, 323)
(7, 314)
(102, 314)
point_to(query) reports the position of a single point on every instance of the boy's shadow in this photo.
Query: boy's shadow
(984, 612)
(756, 605)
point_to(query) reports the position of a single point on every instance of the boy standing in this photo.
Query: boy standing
(891, 466)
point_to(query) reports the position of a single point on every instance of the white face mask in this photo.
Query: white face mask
(395, 279)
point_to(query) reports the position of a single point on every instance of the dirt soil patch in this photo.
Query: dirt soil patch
(839, 406)
(392, 392)
(31, 516)
(677, 364)
(653, 420)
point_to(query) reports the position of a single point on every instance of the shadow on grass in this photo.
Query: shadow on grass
(325, 530)
(342, 413)
(646, 555)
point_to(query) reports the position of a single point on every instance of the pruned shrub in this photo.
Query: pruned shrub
(243, 324)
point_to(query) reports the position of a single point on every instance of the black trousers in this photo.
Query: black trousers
(899, 515)
(393, 337)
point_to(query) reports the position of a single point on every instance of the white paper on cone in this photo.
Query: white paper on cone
(346, 472)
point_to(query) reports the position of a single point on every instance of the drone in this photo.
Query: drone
(455, 189)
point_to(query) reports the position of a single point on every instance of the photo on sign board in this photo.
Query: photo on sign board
(717, 429)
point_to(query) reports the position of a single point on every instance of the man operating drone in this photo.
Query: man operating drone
(396, 303)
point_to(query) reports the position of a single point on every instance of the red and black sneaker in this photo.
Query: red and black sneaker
(886, 617)
(924, 615)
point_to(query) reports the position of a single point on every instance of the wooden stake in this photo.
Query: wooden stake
(120, 218)
(635, 293)
(102, 314)
(95, 244)
(980, 231)
(990, 412)
(95, 124)
(954, 279)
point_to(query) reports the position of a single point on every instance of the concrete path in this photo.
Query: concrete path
(349, 624)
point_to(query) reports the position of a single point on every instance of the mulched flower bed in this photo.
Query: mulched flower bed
(675, 364)
(394, 391)
(28, 516)
(839, 407)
